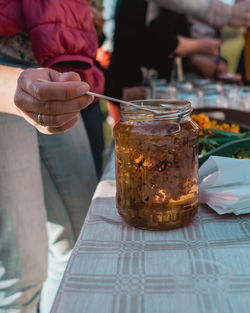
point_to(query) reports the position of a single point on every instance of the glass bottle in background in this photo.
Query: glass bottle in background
(164, 92)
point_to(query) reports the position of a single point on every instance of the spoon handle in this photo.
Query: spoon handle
(120, 101)
(111, 99)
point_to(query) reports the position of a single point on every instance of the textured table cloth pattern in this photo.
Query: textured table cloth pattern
(114, 268)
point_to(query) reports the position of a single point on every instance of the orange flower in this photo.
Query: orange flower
(204, 122)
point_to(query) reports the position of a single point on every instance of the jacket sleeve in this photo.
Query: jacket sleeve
(213, 12)
(11, 19)
(63, 37)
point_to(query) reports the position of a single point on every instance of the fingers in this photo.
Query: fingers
(214, 50)
(55, 88)
(49, 130)
(51, 101)
(58, 130)
(64, 77)
(26, 103)
(214, 46)
(51, 120)
(240, 16)
(209, 46)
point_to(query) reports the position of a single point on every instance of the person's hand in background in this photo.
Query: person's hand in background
(49, 100)
(240, 15)
(207, 46)
(204, 65)
(208, 67)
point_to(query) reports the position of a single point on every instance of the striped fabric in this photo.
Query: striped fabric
(114, 268)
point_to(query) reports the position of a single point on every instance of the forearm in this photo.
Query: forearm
(213, 12)
(186, 46)
(8, 83)
(195, 8)
(206, 46)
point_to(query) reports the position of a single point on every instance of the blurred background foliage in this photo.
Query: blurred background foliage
(233, 43)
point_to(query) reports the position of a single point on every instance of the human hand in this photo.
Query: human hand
(204, 65)
(49, 100)
(208, 46)
(240, 16)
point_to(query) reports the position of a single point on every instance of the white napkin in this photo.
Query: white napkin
(224, 185)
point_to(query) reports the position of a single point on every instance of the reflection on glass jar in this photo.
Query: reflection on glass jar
(157, 165)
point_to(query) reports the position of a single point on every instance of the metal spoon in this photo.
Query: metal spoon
(111, 99)
(120, 101)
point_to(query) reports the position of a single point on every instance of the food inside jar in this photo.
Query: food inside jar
(157, 172)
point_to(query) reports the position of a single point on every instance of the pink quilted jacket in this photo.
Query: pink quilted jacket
(62, 34)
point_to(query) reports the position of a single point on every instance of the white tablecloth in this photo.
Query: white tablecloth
(114, 268)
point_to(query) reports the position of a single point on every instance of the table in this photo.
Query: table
(114, 268)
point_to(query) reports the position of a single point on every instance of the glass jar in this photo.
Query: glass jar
(157, 165)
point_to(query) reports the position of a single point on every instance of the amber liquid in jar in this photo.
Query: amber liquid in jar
(157, 167)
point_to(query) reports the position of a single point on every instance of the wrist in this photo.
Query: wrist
(8, 84)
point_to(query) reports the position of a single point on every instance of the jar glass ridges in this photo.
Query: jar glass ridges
(157, 165)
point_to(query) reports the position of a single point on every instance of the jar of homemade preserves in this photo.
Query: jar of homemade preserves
(157, 164)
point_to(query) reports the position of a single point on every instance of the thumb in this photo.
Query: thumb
(68, 76)
(64, 77)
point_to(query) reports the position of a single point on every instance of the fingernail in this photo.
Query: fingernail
(82, 90)
(90, 99)
(42, 80)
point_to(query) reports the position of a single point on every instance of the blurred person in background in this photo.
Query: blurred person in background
(170, 33)
(143, 37)
(205, 65)
(105, 51)
(109, 15)
(92, 115)
(46, 182)
(96, 13)
(213, 12)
